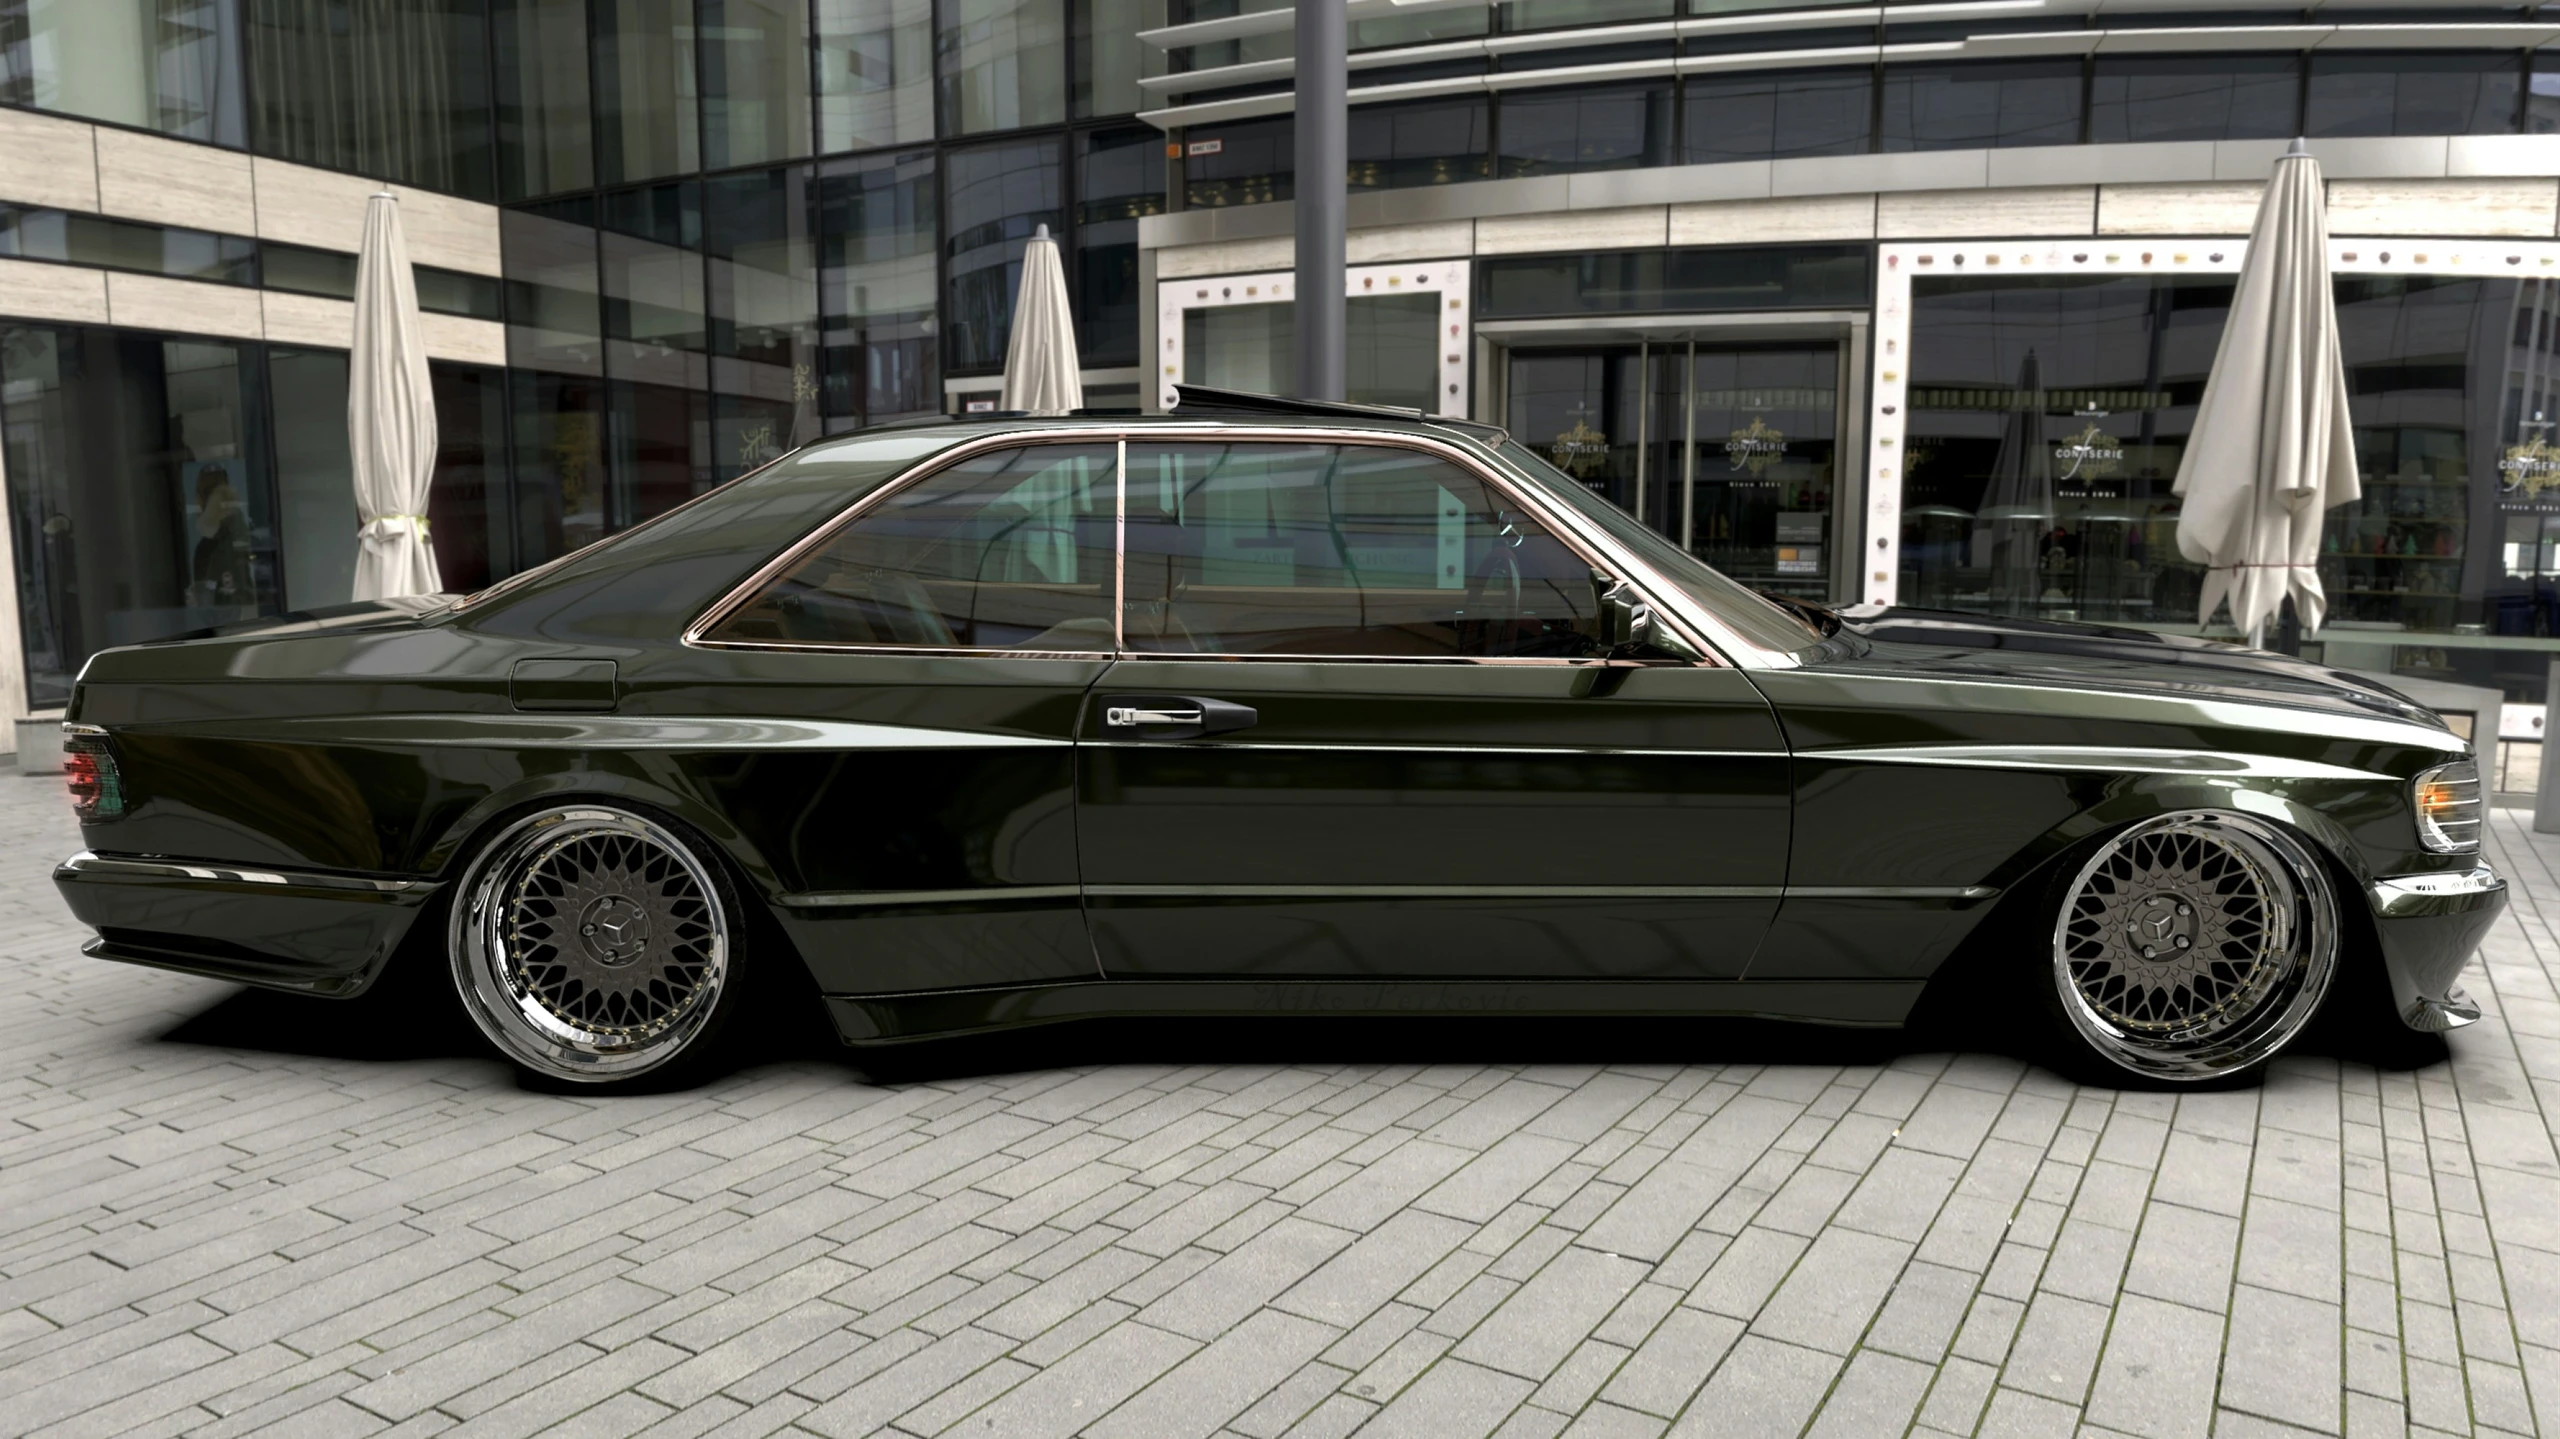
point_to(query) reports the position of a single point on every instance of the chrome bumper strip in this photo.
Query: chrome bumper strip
(88, 864)
(2399, 896)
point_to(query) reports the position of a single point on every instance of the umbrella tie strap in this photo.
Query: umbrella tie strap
(383, 527)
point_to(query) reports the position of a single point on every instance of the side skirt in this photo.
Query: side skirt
(894, 1018)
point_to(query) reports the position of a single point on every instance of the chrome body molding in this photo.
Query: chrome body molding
(611, 731)
(2090, 695)
(89, 864)
(2112, 759)
(1537, 891)
(2405, 896)
(881, 898)
(1424, 751)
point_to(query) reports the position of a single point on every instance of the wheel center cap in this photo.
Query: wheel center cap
(613, 930)
(2160, 926)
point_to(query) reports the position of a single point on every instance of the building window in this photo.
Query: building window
(552, 311)
(1558, 132)
(647, 121)
(139, 491)
(1550, 14)
(998, 195)
(1003, 64)
(650, 240)
(1249, 162)
(466, 502)
(1418, 142)
(1119, 178)
(2181, 97)
(1109, 57)
(559, 464)
(546, 139)
(1981, 106)
(661, 442)
(2417, 93)
(875, 73)
(166, 65)
(1725, 277)
(877, 239)
(1780, 114)
(755, 81)
(396, 92)
(763, 302)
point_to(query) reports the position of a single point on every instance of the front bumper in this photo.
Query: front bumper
(2430, 925)
(316, 933)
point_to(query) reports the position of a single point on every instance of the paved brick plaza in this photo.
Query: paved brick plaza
(230, 1214)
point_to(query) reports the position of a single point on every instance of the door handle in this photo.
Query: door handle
(1171, 717)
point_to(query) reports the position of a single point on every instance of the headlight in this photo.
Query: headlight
(2447, 799)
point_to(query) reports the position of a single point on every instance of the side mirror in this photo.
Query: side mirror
(1626, 619)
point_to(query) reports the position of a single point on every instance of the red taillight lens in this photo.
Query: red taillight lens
(89, 771)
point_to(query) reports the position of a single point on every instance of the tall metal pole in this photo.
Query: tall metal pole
(1323, 164)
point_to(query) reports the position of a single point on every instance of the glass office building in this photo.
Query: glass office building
(1904, 302)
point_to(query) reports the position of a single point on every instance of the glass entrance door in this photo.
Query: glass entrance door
(1730, 450)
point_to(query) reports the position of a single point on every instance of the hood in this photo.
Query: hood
(2111, 657)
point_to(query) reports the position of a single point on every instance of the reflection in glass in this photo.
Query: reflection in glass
(561, 477)
(138, 492)
(1119, 178)
(395, 91)
(1548, 14)
(466, 517)
(997, 196)
(646, 121)
(333, 273)
(1270, 549)
(1008, 550)
(652, 282)
(660, 440)
(545, 133)
(755, 75)
(1771, 117)
(1241, 347)
(1723, 277)
(550, 259)
(763, 295)
(1248, 162)
(30, 233)
(875, 73)
(1419, 142)
(2421, 93)
(1765, 423)
(1989, 104)
(877, 236)
(315, 477)
(1580, 409)
(1390, 349)
(1003, 64)
(2542, 98)
(1555, 132)
(1109, 57)
(2182, 97)
(166, 65)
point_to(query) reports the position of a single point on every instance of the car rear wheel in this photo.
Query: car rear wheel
(594, 945)
(2191, 948)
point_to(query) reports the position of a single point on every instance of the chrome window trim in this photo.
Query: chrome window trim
(1716, 643)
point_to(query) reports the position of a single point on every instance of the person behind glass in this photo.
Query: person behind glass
(222, 541)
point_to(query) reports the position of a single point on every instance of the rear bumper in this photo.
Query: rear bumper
(2430, 925)
(315, 933)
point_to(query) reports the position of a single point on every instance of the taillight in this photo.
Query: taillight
(89, 770)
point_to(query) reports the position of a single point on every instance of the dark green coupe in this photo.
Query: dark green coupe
(1257, 707)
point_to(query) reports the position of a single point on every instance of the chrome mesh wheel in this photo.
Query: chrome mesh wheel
(590, 943)
(2195, 945)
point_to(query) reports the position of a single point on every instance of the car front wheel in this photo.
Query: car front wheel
(2191, 948)
(593, 945)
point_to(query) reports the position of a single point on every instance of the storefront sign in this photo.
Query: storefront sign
(2089, 455)
(1755, 447)
(2529, 468)
(1580, 450)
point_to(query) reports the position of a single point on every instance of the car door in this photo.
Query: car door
(920, 670)
(1362, 727)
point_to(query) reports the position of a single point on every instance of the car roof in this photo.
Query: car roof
(1196, 405)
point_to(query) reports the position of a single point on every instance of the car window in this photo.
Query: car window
(1358, 550)
(1767, 624)
(1006, 550)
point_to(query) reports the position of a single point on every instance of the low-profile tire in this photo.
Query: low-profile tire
(598, 946)
(2189, 949)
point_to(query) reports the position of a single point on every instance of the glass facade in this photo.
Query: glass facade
(395, 91)
(159, 484)
(168, 65)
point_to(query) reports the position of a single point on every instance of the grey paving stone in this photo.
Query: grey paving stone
(2156, 1376)
(1875, 1399)
(2281, 1360)
(1834, 1291)
(1762, 1387)
(1452, 1400)
(1533, 1329)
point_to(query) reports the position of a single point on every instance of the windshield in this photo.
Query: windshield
(1760, 620)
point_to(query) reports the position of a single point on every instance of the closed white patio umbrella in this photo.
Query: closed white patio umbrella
(1041, 373)
(2272, 448)
(391, 416)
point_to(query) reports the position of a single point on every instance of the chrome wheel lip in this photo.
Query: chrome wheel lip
(528, 1033)
(2275, 1016)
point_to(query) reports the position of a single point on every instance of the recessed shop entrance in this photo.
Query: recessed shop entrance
(1733, 447)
